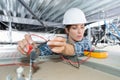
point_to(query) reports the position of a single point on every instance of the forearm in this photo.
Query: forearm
(69, 50)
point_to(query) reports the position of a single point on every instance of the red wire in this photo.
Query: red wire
(39, 36)
(11, 64)
(23, 64)
(81, 61)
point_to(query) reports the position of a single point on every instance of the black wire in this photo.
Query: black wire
(78, 65)
(73, 59)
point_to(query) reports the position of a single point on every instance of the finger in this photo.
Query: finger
(56, 43)
(21, 50)
(23, 45)
(20, 44)
(61, 39)
(29, 38)
(58, 49)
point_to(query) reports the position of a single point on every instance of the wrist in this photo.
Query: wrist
(68, 50)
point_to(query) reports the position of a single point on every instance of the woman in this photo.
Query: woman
(74, 20)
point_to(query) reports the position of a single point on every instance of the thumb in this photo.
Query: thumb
(28, 38)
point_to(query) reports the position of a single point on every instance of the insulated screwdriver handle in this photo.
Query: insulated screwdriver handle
(30, 47)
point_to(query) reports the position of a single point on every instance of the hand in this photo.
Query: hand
(23, 44)
(57, 44)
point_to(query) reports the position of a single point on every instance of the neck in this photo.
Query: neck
(70, 40)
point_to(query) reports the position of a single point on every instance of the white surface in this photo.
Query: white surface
(59, 71)
(113, 58)
(19, 35)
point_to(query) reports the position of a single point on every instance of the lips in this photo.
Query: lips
(79, 36)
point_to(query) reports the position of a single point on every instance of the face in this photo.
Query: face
(75, 32)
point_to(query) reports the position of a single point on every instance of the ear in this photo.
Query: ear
(66, 30)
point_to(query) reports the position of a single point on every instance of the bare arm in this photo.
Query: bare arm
(59, 45)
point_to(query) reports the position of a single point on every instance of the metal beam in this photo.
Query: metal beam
(61, 9)
(102, 6)
(28, 21)
(108, 14)
(26, 6)
(44, 13)
(59, 14)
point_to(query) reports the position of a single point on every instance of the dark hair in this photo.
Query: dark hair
(68, 27)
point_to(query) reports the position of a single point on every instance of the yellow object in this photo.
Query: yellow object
(96, 54)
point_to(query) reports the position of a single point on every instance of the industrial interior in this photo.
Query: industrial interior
(44, 18)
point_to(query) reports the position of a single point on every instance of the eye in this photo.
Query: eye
(74, 27)
(82, 26)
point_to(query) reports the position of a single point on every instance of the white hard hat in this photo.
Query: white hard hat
(74, 16)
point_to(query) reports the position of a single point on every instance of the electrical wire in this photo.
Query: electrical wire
(79, 62)
(62, 57)
(39, 37)
(19, 63)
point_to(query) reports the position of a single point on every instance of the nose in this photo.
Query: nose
(79, 31)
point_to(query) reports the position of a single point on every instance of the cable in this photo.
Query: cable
(62, 57)
(23, 63)
(78, 62)
(12, 64)
(39, 37)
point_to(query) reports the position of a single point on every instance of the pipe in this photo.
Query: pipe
(10, 30)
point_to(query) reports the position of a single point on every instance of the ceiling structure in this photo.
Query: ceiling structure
(51, 11)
